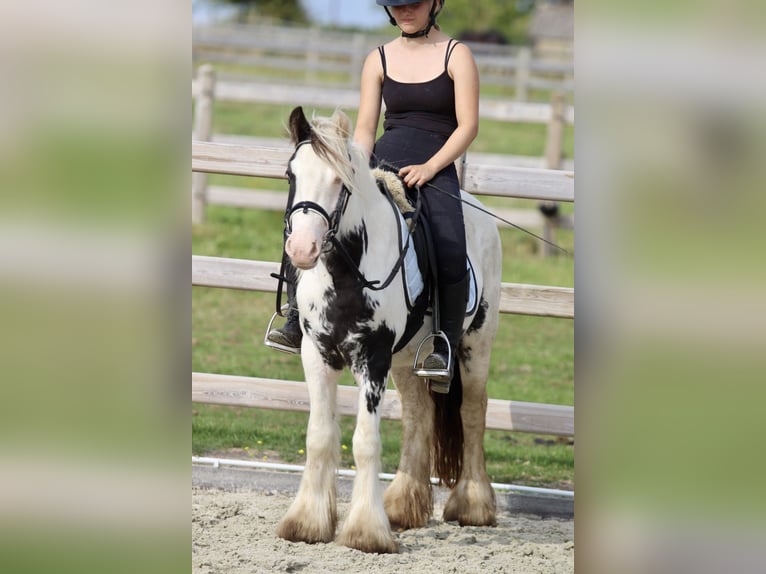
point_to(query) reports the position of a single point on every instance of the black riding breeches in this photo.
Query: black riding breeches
(402, 146)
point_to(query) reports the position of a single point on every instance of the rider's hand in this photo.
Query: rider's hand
(417, 175)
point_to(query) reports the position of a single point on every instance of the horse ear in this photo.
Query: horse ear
(343, 123)
(300, 129)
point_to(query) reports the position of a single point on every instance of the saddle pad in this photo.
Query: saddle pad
(413, 278)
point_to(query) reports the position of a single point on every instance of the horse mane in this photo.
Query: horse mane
(331, 140)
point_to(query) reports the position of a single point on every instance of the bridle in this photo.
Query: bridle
(330, 240)
(332, 220)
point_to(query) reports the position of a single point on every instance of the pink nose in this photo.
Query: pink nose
(303, 254)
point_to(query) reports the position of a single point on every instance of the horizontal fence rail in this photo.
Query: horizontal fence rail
(487, 179)
(278, 394)
(249, 275)
(504, 159)
(276, 200)
(348, 98)
(522, 299)
(475, 175)
(303, 53)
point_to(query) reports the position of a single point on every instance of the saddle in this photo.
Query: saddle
(421, 268)
(406, 200)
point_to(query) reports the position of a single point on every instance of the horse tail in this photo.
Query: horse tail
(448, 431)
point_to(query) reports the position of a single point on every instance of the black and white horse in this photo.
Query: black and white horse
(345, 239)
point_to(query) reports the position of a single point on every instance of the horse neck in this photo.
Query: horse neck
(369, 209)
(369, 205)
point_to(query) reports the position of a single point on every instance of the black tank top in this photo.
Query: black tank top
(425, 105)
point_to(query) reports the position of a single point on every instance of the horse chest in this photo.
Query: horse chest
(342, 313)
(345, 326)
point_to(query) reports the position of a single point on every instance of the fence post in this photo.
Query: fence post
(555, 140)
(553, 151)
(357, 60)
(523, 60)
(460, 165)
(312, 55)
(203, 128)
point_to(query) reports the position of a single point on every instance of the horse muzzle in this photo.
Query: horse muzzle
(304, 247)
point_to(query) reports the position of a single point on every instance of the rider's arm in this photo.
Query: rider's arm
(369, 102)
(463, 71)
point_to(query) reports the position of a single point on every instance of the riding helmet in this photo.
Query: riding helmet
(395, 2)
(431, 18)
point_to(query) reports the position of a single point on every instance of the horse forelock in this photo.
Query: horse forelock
(331, 142)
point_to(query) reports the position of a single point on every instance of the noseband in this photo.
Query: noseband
(333, 221)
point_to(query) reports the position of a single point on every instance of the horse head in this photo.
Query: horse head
(321, 174)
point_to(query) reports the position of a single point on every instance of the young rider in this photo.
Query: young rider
(430, 86)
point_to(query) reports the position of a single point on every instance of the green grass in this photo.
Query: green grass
(532, 359)
(532, 356)
(343, 79)
(269, 120)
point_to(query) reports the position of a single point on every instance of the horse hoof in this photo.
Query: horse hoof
(368, 543)
(470, 515)
(296, 531)
(408, 503)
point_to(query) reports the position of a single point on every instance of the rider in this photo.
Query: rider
(430, 86)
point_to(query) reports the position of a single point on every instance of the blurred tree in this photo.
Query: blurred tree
(284, 10)
(509, 17)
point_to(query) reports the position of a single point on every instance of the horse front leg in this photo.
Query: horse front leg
(409, 499)
(312, 517)
(366, 527)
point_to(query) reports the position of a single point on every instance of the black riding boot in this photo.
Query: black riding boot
(289, 337)
(452, 302)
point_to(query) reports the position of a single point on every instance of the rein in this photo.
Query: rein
(519, 227)
(330, 240)
(375, 285)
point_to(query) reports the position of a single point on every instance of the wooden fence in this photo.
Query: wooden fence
(307, 53)
(205, 90)
(537, 300)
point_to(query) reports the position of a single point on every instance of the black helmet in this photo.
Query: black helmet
(431, 19)
(395, 2)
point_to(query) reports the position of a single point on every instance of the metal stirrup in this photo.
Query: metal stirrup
(278, 346)
(420, 371)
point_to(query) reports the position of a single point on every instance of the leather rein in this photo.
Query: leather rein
(330, 240)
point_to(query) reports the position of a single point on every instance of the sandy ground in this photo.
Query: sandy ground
(233, 532)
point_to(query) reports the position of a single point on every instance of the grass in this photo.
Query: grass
(532, 360)
(281, 74)
(532, 357)
(268, 120)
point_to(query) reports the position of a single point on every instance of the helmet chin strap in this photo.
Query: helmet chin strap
(431, 22)
(424, 32)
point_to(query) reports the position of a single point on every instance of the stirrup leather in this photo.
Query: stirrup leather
(278, 346)
(437, 374)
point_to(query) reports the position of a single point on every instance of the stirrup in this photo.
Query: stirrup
(278, 346)
(438, 375)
